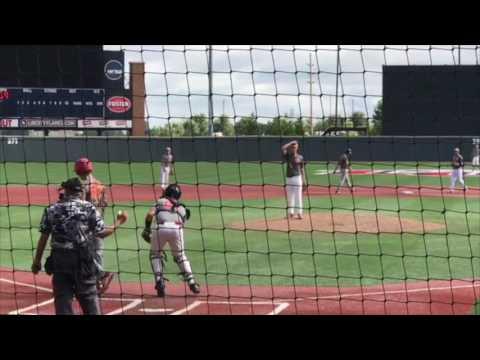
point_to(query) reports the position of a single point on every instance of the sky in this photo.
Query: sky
(273, 80)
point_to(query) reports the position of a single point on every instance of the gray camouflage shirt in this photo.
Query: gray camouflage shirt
(71, 221)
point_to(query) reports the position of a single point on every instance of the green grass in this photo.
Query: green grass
(217, 173)
(221, 255)
(476, 308)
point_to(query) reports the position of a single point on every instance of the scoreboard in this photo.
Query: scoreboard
(52, 103)
(63, 87)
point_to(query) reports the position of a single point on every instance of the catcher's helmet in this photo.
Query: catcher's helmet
(73, 185)
(83, 166)
(173, 191)
(348, 151)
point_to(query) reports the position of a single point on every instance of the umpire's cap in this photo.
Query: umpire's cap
(173, 191)
(73, 185)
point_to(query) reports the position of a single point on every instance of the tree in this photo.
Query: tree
(197, 125)
(280, 126)
(170, 130)
(359, 119)
(248, 125)
(158, 131)
(223, 125)
(320, 125)
(377, 127)
(300, 127)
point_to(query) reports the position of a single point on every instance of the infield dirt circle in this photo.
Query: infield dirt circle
(342, 222)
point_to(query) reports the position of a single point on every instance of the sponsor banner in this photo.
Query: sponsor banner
(113, 70)
(119, 104)
(48, 123)
(104, 124)
(8, 123)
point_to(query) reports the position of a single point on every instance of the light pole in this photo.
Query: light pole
(310, 65)
(210, 86)
(336, 86)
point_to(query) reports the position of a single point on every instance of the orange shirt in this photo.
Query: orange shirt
(94, 192)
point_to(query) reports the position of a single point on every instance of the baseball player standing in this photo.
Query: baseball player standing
(73, 224)
(476, 157)
(170, 216)
(94, 192)
(457, 170)
(166, 168)
(344, 164)
(295, 182)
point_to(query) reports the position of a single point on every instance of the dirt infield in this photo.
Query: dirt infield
(23, 293)
(43, 195)
(342, 222)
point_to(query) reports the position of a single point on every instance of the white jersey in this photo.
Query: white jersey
(167, 160)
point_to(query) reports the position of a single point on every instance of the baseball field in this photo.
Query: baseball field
(401, 243)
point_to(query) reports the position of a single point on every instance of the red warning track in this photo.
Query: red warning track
(43, 195)
(23, 293)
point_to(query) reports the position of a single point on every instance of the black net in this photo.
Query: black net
(319, 179)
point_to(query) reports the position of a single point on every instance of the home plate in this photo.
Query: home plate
(156, 310)
(407, 192)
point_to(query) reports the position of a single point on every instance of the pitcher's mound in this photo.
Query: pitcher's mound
(346, 222)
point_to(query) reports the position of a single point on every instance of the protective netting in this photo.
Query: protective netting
(395, 238)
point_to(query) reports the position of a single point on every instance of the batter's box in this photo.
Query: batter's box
(109, 306)
(233, 308)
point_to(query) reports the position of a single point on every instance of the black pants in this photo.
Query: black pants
(68, 285)
(68, 282)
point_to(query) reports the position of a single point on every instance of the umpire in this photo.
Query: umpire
(73, 224)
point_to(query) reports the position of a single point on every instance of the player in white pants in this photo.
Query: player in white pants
(170, 217)
(457, 170)
(295, 182)
(344, 164)
(476, 157)
(166, 168)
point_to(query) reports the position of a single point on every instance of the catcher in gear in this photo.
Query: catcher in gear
(94, 192)
(170, 217)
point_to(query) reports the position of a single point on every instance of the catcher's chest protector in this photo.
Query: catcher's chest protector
(167, 212)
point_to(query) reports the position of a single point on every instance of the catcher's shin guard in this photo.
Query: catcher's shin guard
(194, 288)
(157, 260)
(192, 284)
(160, 287)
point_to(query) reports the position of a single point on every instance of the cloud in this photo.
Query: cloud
(272, 80)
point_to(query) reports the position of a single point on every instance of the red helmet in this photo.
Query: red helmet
(83, 166)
